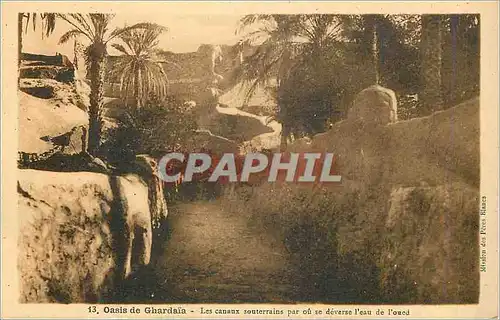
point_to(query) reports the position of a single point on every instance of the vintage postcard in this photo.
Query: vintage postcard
(250, 160)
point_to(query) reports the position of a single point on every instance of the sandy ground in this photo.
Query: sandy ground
(215, 256)
(45, 117)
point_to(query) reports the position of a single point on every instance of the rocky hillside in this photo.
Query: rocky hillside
(52, 111)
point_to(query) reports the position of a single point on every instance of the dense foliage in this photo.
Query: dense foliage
(314, 64)
(321, 61)
(156, 128)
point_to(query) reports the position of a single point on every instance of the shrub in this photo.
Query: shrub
(310, 223)
(154, 129)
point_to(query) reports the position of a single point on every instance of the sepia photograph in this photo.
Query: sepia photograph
(266, 159)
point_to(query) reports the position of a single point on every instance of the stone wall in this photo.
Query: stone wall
(56, 60)
(83, 233)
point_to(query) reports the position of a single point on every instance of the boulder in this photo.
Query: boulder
(82, 233)
(431, 247)
(375, 105)
(65, 244)
(442, 147)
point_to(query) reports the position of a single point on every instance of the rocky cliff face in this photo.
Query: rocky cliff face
(52, 111)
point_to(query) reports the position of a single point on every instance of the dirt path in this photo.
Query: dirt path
(214, 256)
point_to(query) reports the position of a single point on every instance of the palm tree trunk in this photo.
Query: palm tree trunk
(137, 97)
(431, 53)
(371, 38)
(282, 77)
(97, 65)
(75, 54)
(375, 55)
(283, 119)
(285, 132)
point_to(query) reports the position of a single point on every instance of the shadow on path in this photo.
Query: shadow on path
(212, 256)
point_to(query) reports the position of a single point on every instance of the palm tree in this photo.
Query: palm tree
(371, 22)
(317, 33)
(286, 41)
(95, 28)
(373, 33)
(139, 68)
(272, 59)
(308, 104)
(431, 55)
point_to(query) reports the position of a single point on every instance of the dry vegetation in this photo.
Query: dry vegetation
(348, 247)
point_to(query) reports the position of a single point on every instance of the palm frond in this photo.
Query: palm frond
(69, 35)
(142, 25)
(70, 20)
(262, 78)
(83, 22)
(34, 21)
(49, 23)
(100, 23)
(285, 39)
(140, 73)
(252, 19)
(120, 48)
(29, 17)
(119, 67)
